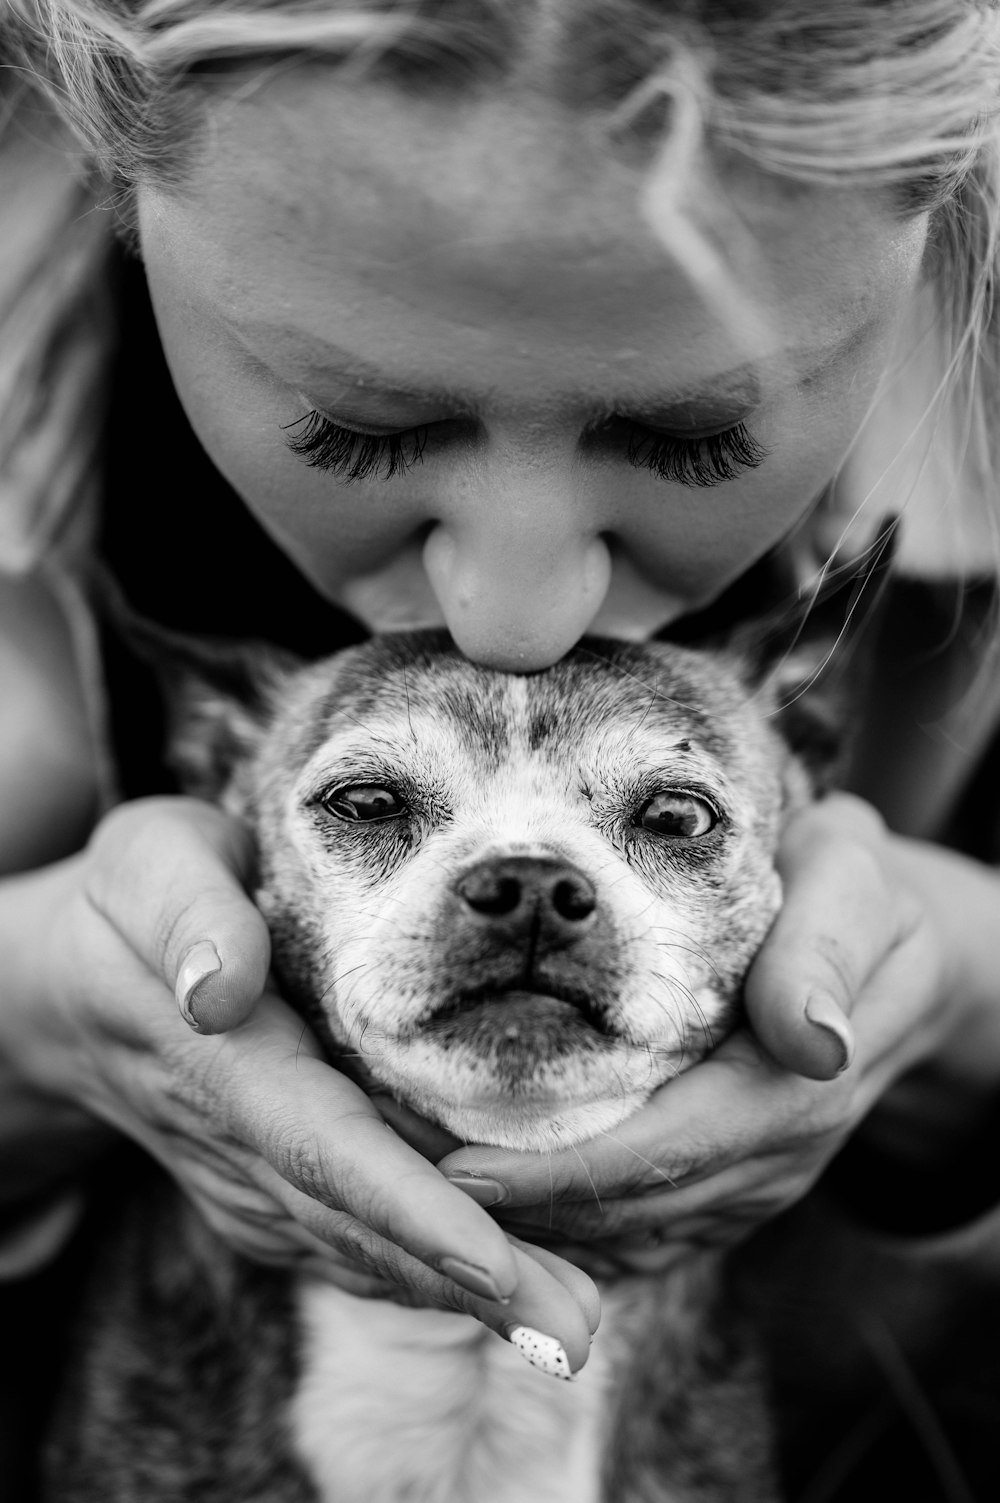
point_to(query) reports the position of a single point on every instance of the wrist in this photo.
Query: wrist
(961, 897)
(46, 1137)
(923, 1160)
(35, 939)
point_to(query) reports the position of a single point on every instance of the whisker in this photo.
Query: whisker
(406, 696)
(583, 1165)
(657, 1169)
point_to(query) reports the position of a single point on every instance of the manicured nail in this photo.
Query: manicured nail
(200, 962)
(485, 1192)
(543, 1352)
(477, 1280)
(824, 1013)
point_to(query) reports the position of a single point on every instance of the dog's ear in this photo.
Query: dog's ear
(218, 693)
(811, 658)
(220, 696)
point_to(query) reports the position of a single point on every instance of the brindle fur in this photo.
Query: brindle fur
(186, 1356)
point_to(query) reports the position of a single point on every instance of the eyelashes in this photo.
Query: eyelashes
(324, 445)
(711, 460)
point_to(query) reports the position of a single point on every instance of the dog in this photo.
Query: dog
(524, 902)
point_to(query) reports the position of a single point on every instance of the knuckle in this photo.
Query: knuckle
(816, 1134)
(377, 1208)
(178, 925)
(819, 1133)
(119, 852)
(375, 1253)
(300, 1162)
(856, 868)
(913, 925)
(127, 825)
(108, 851)
(678, 1172)
(357, 1247)
(855, 816)
(843, 836)
(834, 957)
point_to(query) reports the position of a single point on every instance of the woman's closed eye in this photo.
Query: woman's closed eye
(706, 460)
(697, 460)
(326, 445)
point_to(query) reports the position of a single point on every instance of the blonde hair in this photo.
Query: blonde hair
(899, 93)
(896, 95)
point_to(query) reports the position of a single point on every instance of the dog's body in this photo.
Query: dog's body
(525, 903)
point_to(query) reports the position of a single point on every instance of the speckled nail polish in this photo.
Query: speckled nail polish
(543, 1352)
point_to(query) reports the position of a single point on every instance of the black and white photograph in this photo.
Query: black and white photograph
(499, 751)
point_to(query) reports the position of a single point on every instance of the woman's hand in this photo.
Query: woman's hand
(287, 1159)
(858, 980)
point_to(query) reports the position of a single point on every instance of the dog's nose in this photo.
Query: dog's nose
(521, 891)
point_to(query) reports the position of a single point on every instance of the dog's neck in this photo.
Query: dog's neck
(432, 1408)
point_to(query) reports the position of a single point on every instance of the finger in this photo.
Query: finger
(551, 1297)
(554, 1301)
(169, 874)
(837, 921)
(578, 1285)
(731, 1107)
(431, 1141)
(328, 1147)
(742, 1194)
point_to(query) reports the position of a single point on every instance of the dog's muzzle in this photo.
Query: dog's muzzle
(533, 948)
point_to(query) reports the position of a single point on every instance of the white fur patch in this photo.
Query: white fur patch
(397, 1405)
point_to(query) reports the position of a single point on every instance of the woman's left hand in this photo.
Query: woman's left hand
(873, 930)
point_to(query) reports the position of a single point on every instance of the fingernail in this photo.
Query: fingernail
(200, 962)
(824, 1013)
(543, 1352)
(485, 1192)
(473, 1278)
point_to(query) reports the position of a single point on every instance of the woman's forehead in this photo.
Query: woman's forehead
(410, 232)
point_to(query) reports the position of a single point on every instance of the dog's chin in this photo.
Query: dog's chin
(545, 1080)
(534, 1127)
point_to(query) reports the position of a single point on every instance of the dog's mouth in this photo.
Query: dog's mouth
(516, 1010)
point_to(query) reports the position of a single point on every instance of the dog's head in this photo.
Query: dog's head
(523, 902)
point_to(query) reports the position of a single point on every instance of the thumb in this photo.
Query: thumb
(170, 874)
(835, 926)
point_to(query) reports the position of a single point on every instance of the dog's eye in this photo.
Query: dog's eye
(681, 816)
(364, 801)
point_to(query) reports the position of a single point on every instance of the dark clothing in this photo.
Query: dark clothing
(189, 555)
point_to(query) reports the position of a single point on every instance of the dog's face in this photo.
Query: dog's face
(524, 902)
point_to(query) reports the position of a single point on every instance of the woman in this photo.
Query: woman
(532, 320)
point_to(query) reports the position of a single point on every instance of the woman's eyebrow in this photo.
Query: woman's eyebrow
(722, 397)
(306, 349)
(317, 362)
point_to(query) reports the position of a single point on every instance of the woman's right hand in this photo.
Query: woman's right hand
(288, 1160)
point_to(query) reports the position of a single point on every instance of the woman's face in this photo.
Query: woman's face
(449, 366)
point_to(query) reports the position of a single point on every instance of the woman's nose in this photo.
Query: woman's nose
(518, 587)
